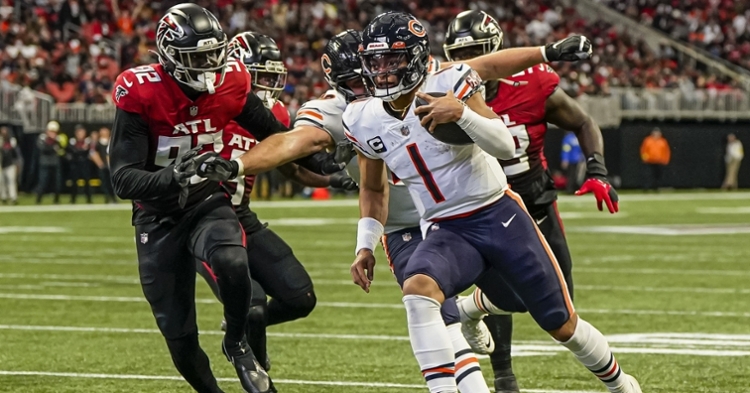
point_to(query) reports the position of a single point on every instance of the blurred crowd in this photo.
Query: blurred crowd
(74, 49)
(719, 26)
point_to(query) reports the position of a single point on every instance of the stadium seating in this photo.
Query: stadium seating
(719, 26)
(75, 53)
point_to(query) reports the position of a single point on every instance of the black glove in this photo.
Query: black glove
(573, 48)
(342, 181)
(215, 168)
(322, 162)
(344, 152)
(185, 168)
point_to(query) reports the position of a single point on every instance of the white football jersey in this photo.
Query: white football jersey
(325, 113)
(443, 180)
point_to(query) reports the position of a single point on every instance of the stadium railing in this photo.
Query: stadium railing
(33, 109)
(25, 107)
(675, 104)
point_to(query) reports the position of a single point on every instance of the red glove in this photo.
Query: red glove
(603, 191)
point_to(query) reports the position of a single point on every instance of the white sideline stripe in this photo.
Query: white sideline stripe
(91, 329)
(281, 381)
(678, 272)
(125, 299)
(176, 378)
(723, 210)
(87, 279)
(19, 229)
(354, 202)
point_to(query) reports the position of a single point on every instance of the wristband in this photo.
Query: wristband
(595, 165)
(240, 168)
(369, 232)
(544, 53)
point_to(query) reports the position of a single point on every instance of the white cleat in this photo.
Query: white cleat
(475, 331)
(631, 386)
(635, 387)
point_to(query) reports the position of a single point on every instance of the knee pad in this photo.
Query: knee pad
(229, 260)
(300, 306)
(257, 315)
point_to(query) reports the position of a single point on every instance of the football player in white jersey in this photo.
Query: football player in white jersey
(471, 219)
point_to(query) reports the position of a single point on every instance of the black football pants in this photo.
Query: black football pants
(167, 251)
(276, 272)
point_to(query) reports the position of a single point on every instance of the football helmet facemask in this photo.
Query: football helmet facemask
(261, 56)
(395, 54)
(341, 65)
(192, 47)
(471, 34)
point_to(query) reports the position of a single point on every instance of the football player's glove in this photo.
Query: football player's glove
(322, 162)
(342, 181)
(573, 48)
(596, 182)
(213, 167)
(344, 152)
(184, 168)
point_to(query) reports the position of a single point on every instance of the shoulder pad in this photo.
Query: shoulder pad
(459, 77)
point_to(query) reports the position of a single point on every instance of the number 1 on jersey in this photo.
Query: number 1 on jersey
(424, 172)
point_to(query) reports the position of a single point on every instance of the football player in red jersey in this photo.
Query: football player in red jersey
(167, 113)
(274, 268)
(526, 102)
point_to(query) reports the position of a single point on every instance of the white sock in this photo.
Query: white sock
(431, 343)
(468, 373)
(591, 348)
(476, 306)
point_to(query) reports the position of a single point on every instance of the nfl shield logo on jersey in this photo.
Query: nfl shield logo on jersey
(144, 238)
(193, 110)
(405, 130)
(406, 236)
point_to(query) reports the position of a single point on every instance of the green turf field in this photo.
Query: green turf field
(666, 280)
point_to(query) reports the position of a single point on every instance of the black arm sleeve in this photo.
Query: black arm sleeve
(258, 119)
(128, 153)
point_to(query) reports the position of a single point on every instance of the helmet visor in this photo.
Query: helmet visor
(384, 69)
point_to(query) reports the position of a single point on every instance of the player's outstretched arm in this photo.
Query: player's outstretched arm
(128, 153)
(507, 62)
(564, 112)
(281, 148)
(373, 210)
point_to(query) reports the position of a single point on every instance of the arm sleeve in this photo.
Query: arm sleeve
(258, 119)
(128, 152)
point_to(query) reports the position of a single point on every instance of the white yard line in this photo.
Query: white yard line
(723, 210)
(384, 385)
(697, 344)
(625, 198)
(126, 299)
(662, 272)
(92, 280)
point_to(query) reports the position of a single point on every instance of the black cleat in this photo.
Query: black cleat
(506, 384)
(253, 377)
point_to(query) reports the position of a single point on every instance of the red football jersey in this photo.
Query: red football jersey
(282, 114)
(520, 103)
(237, 141)
(176, 123)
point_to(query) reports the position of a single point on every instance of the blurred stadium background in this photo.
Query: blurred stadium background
(683, 66)
(666, 278)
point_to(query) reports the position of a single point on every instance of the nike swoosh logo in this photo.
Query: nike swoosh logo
(540, 221)
(506, 223)
(127, 82)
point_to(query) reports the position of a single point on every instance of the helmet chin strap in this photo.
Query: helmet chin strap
(208, 79)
